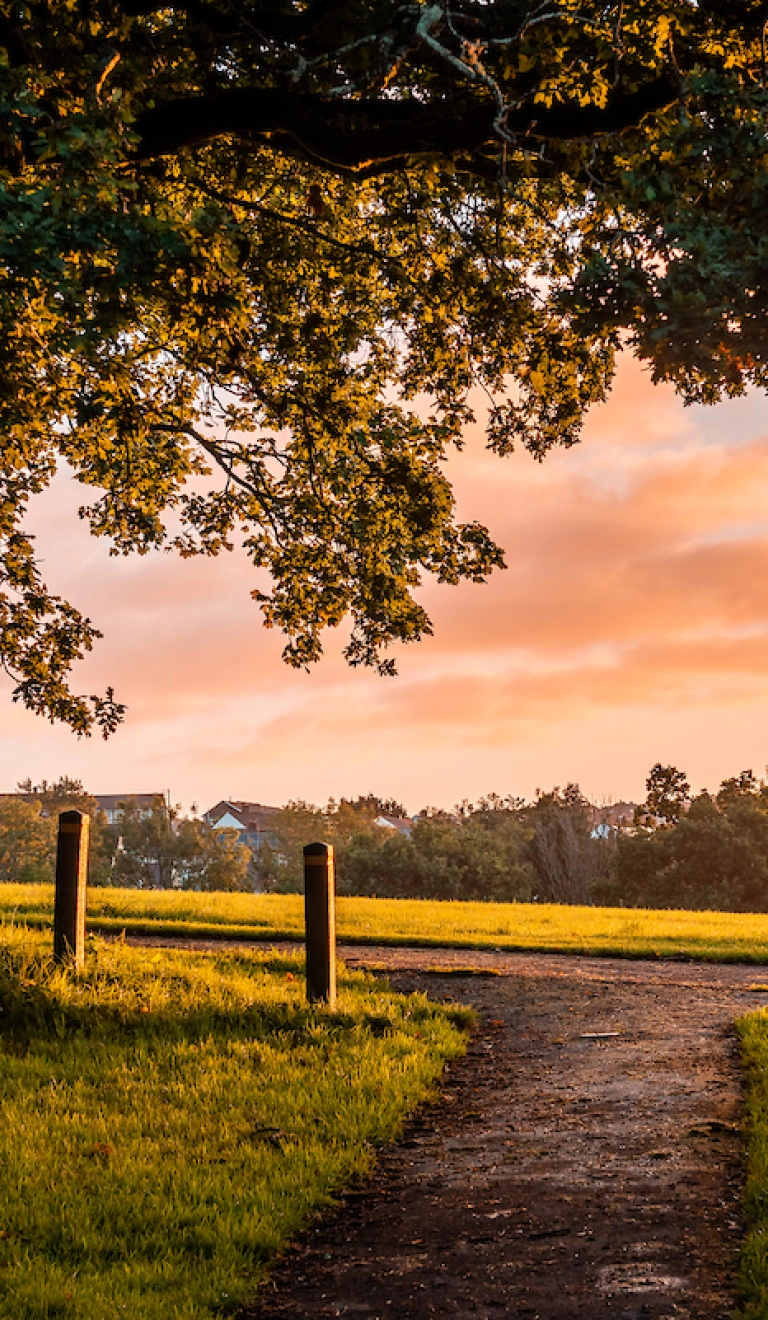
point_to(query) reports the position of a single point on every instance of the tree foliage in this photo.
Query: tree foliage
(712, 854)
(36, 809)
(161, 849)
(443, 858)
(156, 848)
(668, 793)
(499, 849)
(239, 242)
(26, 842)
(568, 860)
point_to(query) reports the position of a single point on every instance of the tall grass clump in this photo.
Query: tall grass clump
(171, 1119)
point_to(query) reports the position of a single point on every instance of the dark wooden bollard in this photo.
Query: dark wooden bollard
(71, 878)
(320, 915)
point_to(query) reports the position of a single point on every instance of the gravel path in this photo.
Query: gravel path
(582, 1164)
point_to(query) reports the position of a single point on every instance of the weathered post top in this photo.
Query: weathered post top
(320, 917)
(318, 850)
(71, 882)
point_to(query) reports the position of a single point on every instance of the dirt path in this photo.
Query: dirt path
(582, 1163)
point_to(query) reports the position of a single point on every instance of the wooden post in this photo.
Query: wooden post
(320, 915)
(71, 879)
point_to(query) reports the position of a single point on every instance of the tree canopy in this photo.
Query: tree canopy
(259, 261)
(668, 794)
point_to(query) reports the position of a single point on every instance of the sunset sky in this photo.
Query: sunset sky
(631, 626)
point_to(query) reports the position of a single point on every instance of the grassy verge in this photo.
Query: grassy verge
(170, 1120)
(624, 932)
(752, 1031)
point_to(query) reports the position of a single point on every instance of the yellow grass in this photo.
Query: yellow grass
(624, 932)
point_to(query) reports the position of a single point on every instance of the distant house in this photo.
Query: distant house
(112, 803)
(402, 824)
(250, 819)
(612, 819)
(617, 814)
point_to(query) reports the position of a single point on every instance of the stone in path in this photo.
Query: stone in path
(583, 1163)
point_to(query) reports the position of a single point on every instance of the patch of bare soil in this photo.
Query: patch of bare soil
(583, 1161)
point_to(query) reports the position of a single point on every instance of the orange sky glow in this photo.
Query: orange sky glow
(631, 626)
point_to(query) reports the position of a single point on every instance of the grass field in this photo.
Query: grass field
(625, 932)
(171, 1119)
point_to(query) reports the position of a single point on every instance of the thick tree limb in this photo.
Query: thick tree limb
(278, 23)
(359, 134)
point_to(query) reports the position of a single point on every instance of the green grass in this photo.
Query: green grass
(752, 1031)
(171, 1119)
(624, 932)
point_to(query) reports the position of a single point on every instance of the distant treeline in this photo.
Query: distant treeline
(675, 851)
(497, 850)
(708, 851)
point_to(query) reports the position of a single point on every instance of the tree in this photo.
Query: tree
(563, 853)
(68, 794)
(238, 241)
(731, 791)
(707, 860)
(146, 848)
(668, 793)
(280, 863)
(161, 849)
(480, 855)
(211, 859)
(370, 805)
(444, 858)
(27, 842)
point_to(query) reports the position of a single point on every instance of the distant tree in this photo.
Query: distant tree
(211, 859)
(27, 842)
(63, 794)
(439, 813)
(491, 807)
(562, 850)
(747, 814)
(161, 849)
(668, 793)
(479, 856)
(348, 817)
(492, 803)
(370, 804)
(744, 785)
(445, 858)
(281, 861)
(146, 845)
(703, 807)
(68, 794)
(705, 861)
(714, 856)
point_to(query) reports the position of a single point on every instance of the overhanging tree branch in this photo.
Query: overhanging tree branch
(138, 283)
(361, 134)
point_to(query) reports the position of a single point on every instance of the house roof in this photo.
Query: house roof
(615, 813)
(113, 801)
(401, 823)
(253, 816)
(109, 802)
